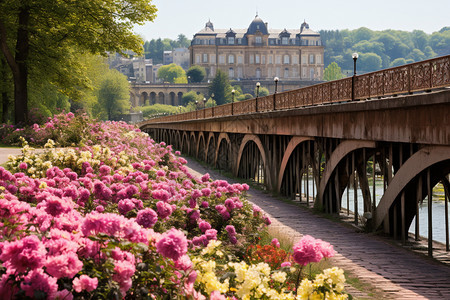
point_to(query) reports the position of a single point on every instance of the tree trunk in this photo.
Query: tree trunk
(18, 64)
(21, 81)
(4, 98)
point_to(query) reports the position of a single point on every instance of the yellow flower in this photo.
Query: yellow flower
(279, 276)
(43, 185)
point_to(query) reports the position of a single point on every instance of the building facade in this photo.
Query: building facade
(259, 53)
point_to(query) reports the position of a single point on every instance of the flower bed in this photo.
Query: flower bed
(119, 216)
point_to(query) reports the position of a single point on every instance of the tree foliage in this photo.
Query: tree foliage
(114, 94)
(388, 45)
(221, 88)
(191, 97)
(172, 73)
(155, 48)
(196, 74)
(332, 72)
(40, 38)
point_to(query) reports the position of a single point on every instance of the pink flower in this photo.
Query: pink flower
(66, 265)
(23, 166)
(286, 264)
(326, 249)
(125, 206)
(203, 225)
(215, 295)
(160, 173)
(230, 229)
(275, 243)
(172, 244)
(147, 217)
(306, 251)
(205, 177)
(184, 263)
(211, 234)
(164, 209)
(38, 281)
(27, 253)
(206, 192)
(84, 283)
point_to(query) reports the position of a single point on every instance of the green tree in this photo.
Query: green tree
(332, 72)
(114, 94)
(362, 34)
(221, 88)
(172, 73)
(398, 62)
(196, 74)
(263, 91)
(370, 62)
(191, 96)
(416, 55)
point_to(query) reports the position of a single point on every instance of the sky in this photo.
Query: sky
(189, 16)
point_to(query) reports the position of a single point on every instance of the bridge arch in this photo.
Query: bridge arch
(293, 143)
(341, 152)
(201, 146)
(210, 151)
(425, 158)
(247, 140)
(161, 98)
(185, 143)
(172, 99)
(180, 98)
(144, 99)
(192, 144)
(152, 98)
(222, 157)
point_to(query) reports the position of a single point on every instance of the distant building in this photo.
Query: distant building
(143, 70)
(178, 56)
(258, 52)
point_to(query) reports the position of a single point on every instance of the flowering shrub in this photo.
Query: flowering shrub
(119, 216)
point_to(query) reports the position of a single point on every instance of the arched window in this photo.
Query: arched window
(286, 59)
(258, 73)
(286, 73)
(231, 59)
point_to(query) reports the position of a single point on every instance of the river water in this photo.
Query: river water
(438, 210)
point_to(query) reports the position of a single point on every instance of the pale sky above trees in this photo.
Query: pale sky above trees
(188, 17)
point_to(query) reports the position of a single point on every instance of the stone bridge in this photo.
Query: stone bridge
(164, 93)
(328, 139)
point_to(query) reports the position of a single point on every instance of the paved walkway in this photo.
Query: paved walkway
(394, 272)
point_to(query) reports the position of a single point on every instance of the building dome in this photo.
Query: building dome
(257, 25)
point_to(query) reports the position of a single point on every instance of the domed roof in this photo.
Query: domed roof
(257, 25)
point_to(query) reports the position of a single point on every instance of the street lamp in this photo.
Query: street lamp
(257, 95)
(232, 93)
(276, 79)
(276, 89)
(204, 102)
(196, 105)
(355, 57)
(179, 107)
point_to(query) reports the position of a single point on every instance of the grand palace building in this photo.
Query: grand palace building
(259, 52)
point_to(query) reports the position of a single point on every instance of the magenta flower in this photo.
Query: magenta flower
(275, 243)
(66, 265)
(38, 281)
(172, 244)
(27, 253)
(147, 218)
(164, 209)
(23, 166)
(306, 251)
(203, 225)
(84, 283)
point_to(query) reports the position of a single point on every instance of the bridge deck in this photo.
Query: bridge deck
(394, 272)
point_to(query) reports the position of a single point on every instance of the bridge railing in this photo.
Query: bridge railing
(420, 76)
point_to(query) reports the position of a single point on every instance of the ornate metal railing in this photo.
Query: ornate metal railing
(421, 76)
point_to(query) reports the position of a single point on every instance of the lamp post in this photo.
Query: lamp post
(179, 107)
(212, 104)
(204, 102)
(232, 94)
(276, 79)
(257, 95)
(196, 105)
(355, 57)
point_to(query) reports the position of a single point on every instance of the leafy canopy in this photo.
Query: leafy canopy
(172, 73)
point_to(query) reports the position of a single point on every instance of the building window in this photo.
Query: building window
(270, 59)
(286, 73)
(286, 59)
(212, 71)
(284, 40)
(252, 59)
(205, 57)
(257, 61)
(258, 73)
(231, 73)
(278, 59)
(239, 72)
(304, 59)
(197, 58)
(263, 59)
(295, 59)
(221, 59)
(304, 72)
(231, 59)
(240, 59)
(311, 59)
(212, 41)
(278, 72)
(230, 40)
(269, 72)
(311, 73)
(258, 40)
(239, 41)
(271, 42)
(318, 59)
(212, 58)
